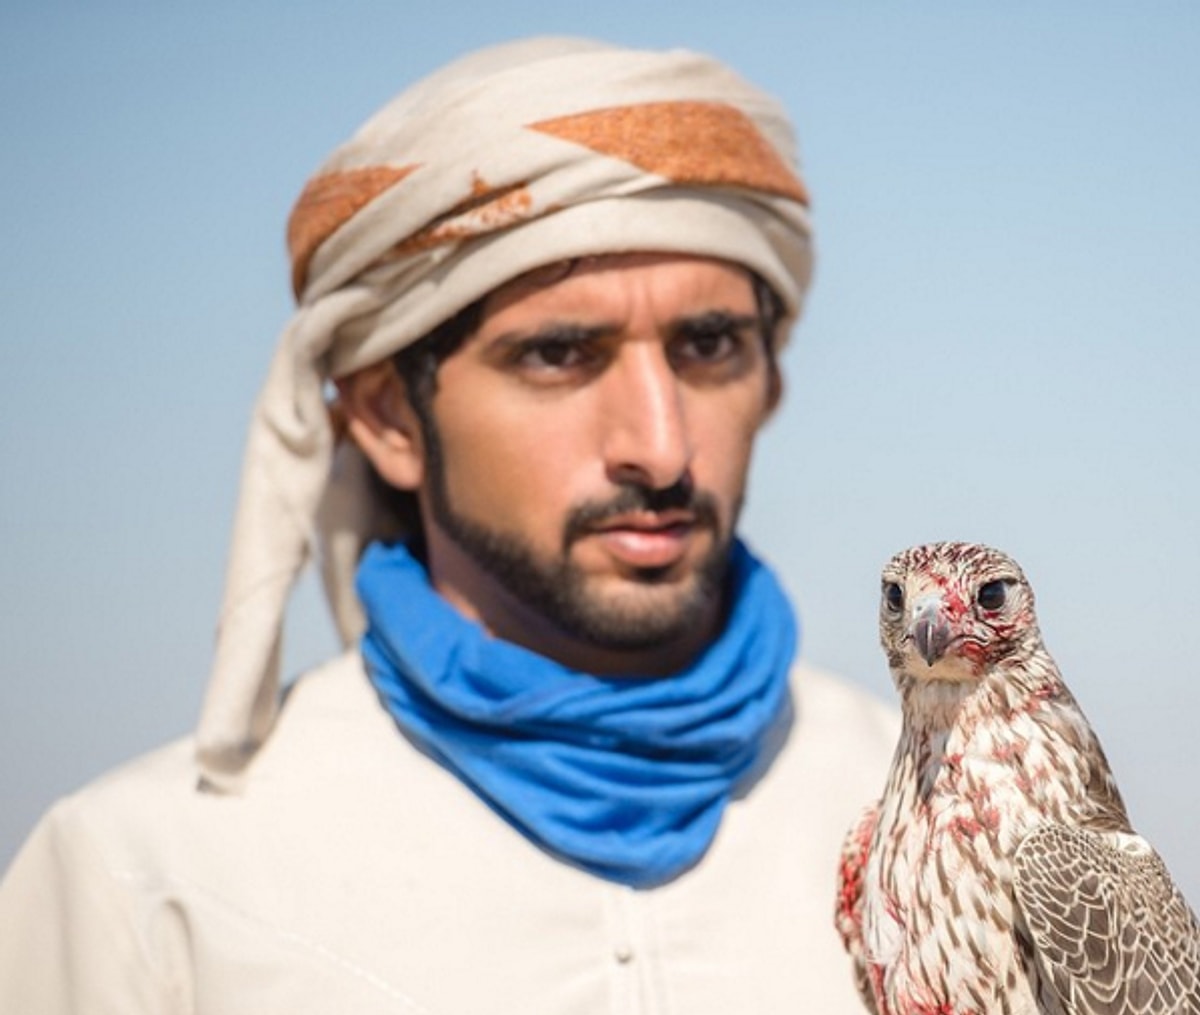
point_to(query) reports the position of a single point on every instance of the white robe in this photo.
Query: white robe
(355, 875)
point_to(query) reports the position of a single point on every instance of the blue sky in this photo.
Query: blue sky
(1001, 343)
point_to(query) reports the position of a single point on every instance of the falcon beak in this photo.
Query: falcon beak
(931, 631)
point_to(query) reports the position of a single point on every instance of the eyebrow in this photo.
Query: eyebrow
(570, 333)
(555, 331)
(715, 320)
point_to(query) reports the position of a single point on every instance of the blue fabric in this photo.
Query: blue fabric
(625, 777)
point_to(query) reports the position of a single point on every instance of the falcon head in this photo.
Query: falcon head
(952, 611)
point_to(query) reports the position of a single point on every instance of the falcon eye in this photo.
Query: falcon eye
(893, 596)
(992, 595)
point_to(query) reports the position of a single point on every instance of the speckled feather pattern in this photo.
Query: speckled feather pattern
(998, 873)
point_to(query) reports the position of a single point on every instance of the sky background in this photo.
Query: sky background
(1001, 344)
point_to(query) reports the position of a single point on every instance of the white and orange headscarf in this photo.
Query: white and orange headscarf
(507, 160)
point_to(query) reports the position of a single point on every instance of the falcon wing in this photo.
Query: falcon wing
(1112, 933)
(848, 912)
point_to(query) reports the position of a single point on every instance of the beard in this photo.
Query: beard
(559, 589)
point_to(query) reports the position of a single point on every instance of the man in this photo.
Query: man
(566, 763)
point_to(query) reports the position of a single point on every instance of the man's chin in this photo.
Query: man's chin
(615, 602)
(644, 611)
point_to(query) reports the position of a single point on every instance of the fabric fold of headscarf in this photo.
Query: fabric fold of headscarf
(626, 777)
(505, 161)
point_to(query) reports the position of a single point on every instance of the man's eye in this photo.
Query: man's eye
(551, 353)
(707, 346)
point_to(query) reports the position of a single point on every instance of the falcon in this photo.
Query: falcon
(999, 873)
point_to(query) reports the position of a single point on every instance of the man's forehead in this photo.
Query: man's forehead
(575, 275)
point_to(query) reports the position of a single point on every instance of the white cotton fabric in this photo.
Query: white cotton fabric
(363, 295)
(355, 874)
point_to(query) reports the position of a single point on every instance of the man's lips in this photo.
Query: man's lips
(646, 521)
(646, 539)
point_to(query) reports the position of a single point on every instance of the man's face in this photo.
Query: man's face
(586, 454)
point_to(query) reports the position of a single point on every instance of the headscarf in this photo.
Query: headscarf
(509, 159)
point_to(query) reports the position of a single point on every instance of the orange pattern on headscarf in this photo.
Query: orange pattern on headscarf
(486, 210)
(688, 143)
(326, 203)
(703, 143)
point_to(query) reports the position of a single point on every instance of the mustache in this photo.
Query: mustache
(632, 497)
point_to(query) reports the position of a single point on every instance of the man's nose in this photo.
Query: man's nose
(646, 435)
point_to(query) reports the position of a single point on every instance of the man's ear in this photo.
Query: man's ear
(381, 420)
(774, 391)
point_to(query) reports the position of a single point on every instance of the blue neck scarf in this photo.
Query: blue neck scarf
(625, 777)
